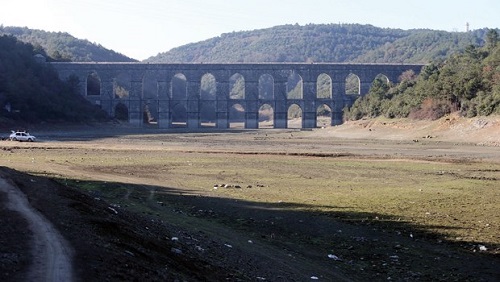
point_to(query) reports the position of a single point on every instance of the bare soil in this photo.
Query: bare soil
(480, 131)
(191, 237)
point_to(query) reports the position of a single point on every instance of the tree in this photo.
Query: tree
(491, 39)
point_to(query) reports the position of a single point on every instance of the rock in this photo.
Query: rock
(130, 253)
(176, 251)
(334, 257)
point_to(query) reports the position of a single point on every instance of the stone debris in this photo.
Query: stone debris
(236, 186)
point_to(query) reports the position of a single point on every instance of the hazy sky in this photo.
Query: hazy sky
(144, 28)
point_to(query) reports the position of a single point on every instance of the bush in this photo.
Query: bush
(483, 104)
(432, 109)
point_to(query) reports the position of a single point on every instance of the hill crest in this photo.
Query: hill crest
(62, 46)
(353, 43)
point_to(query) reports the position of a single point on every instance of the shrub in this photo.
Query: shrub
(433, 109)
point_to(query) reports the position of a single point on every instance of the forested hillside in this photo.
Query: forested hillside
(61, 46)
(32, 92)
(423, 47)
(468, 82)
(325, 43)
(287, 43)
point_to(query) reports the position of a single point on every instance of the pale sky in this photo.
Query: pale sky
(144, 28)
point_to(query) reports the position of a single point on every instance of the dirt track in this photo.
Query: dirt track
(50, 251)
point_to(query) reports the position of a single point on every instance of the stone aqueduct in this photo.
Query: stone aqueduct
(151, 87)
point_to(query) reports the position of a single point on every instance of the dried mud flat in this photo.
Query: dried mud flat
(193, 237)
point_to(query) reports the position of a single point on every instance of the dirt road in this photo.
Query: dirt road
(51, 254)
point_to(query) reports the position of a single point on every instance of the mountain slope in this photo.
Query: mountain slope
(324, 43)
(63, 46)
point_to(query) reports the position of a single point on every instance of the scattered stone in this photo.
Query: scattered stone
(113, 210)
(334, 257)
(176, 251)
(130, 253)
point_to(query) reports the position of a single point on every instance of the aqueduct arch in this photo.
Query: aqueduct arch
(178, 95)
